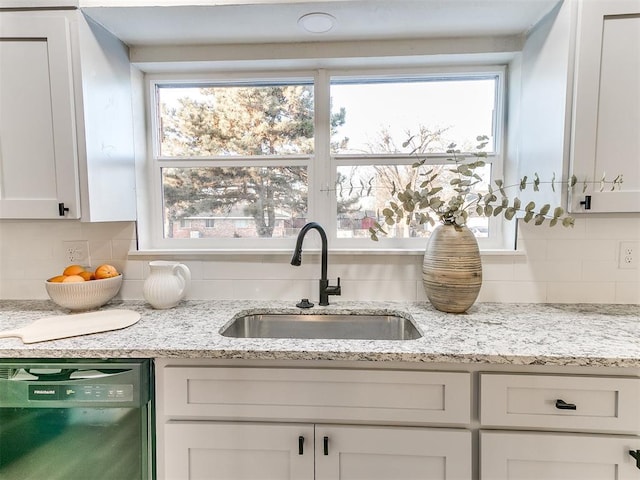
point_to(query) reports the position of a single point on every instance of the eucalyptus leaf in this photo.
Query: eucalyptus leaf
(523, 183)
(557, 212)
(509, 213)
(573, 180)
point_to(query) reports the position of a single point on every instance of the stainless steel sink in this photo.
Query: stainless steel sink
(335, 326)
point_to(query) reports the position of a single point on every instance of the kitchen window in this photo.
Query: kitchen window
(244, 162)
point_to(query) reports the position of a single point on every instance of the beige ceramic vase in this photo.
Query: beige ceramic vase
(452, 269)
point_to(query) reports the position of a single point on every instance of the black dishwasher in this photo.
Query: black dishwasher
(76, 420)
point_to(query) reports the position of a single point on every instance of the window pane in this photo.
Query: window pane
(377, 117)
(362, 192)
(235, 120)
(234, 202)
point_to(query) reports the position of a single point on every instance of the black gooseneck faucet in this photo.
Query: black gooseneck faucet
(325, 288)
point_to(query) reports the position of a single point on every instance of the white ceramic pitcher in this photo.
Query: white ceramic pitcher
(167, 284)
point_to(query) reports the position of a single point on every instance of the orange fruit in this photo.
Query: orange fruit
(73, 270)
(106, 271)
(57, 279)
(72, 279)
(87, 275)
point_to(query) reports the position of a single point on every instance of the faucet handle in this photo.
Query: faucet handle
(334, 289)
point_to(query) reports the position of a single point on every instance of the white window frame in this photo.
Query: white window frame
(496, 158)
(321, 165)
(150, 225)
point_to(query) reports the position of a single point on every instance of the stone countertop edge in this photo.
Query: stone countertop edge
(489, 333)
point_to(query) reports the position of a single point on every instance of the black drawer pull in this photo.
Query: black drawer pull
(635, 454)
(300, 445)
(325, 441)
(562, 405)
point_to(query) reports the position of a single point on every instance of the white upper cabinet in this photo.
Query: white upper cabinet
(38, 156)
(66, 135)
(606, 113)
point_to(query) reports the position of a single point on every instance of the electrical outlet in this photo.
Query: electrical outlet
(76, 251)
(629, 255)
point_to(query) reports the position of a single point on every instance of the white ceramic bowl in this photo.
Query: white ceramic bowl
(84, 295)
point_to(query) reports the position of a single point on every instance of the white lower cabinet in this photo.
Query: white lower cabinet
(304, 420)
(391, 453)
(274, 423)
(266, 451)
(238, 451)
(556, 456)
(604, 410)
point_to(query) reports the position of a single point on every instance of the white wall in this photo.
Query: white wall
(578, 265)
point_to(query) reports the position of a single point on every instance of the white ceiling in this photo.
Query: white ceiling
(268, 21)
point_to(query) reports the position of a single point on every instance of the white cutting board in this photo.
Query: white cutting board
(63, 326)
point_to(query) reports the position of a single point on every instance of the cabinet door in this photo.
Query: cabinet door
(534, 456)
(237, 451)
(38, 153)
(606, 128)
(392, 453)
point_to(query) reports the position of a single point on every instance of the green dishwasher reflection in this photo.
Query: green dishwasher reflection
(70, 444)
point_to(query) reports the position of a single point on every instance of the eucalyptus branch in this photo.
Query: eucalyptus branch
(427, 204)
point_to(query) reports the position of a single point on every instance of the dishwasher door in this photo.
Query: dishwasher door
(75, 420)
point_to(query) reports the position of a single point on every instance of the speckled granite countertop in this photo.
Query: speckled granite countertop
(518, 334)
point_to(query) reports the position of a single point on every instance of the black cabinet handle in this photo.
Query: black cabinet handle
(62, 210)
(635, 454)
(586, 203)
(325, 441)
(562, 405)
(300, 445)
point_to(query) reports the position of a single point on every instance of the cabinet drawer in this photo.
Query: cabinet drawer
(601, 403)
(316, 395)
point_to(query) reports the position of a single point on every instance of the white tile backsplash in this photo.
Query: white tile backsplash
(564, 265)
